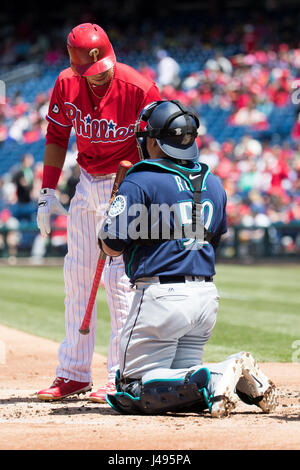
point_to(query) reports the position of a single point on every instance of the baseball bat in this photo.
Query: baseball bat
(85, 325)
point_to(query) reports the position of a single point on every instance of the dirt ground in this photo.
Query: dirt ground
(28, 363)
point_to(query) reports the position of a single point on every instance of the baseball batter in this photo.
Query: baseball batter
(100, 99)
(170, 259)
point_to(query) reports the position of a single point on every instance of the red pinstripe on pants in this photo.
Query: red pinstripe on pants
(85, 217)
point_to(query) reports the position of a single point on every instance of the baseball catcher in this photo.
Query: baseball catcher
(167, 221)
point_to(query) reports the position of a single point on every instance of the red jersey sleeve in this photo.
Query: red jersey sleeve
(59, 127)
(150, 96)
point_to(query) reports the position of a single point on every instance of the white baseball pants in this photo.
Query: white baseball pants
(85, 218)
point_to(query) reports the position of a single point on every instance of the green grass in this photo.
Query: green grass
(32, 300)
(259, 309)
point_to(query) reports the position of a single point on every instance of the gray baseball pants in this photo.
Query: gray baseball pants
(167, 328)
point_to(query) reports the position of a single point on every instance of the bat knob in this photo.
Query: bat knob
(84, 331)
(126, 164)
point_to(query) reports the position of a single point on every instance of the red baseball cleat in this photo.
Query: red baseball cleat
(98, 396)
(62, 388)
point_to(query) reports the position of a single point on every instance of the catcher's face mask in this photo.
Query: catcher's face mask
(172, 125)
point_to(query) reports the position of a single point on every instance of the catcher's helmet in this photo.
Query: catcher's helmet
(172, 125)
(90, 50)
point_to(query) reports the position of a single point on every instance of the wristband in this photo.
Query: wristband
(51, 176)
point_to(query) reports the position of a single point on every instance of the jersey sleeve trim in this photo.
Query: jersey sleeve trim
(56, 122)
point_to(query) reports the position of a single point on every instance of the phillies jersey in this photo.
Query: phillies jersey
(104, 127)
(139, 196)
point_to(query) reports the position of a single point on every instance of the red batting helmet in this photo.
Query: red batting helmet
(90, 50)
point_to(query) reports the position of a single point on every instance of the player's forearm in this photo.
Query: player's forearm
(54, 155)
(54, 158)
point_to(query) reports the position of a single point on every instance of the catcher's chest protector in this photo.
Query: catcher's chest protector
(194, 179)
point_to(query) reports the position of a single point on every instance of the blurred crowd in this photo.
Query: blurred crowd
(262, 179)
(39, 35)
(21, 121)
(262, 183)
(250, 85)
(19, 193)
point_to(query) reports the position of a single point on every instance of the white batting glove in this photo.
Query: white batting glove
(48, 204)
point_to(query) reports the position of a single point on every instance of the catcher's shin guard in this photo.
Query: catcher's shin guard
(117, 381)
(161, 396)
(124, 403)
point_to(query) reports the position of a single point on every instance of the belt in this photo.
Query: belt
(101, 176)
(173, 279)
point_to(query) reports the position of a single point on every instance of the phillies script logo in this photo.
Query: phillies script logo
(97, 130)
